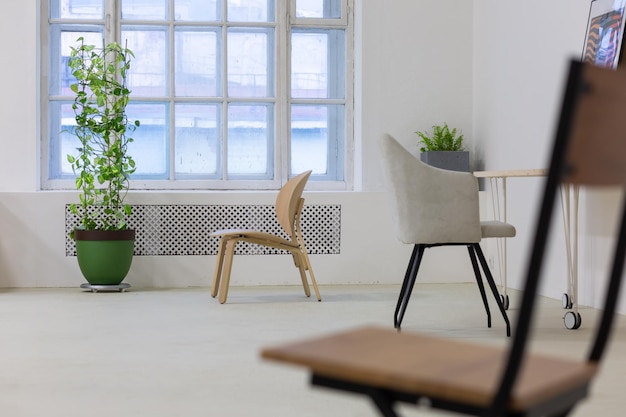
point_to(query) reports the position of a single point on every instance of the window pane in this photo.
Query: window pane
(316, 134)
(327, 9)
(196, 63)
(77, 9)
(149, 71)
(197, 139)
(249, 144)
(60, 75)
(248, 52)
(250, 10)
(62, 141)
(144, 10)
(196, 10)
(205, 87)
(317, 64)
(150, 148)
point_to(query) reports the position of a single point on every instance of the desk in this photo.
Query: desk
(569, 205)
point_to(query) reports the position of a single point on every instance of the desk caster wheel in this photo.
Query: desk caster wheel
(504, 298)
(566, 301)
(572, 320)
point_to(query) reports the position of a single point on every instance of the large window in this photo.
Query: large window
(231, 94)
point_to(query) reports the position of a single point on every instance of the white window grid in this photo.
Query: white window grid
(281, 172)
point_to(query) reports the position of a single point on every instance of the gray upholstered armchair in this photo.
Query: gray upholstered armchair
(436, 207)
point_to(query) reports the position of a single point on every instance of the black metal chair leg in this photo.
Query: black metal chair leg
(407, 285)
(564, 414)
(405, 282)
(384, 403)
(479, 281)
(492, 285)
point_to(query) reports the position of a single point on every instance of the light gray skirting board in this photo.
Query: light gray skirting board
(184, 229)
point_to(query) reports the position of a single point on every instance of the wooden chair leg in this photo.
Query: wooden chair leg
(218, 267)
(303, 258)
(226, 269)
(311, 274)
(301, 267)
(296, 258)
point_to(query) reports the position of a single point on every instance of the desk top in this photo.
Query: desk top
(540, 172)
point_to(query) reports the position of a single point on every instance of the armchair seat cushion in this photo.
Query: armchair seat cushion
(494, 228)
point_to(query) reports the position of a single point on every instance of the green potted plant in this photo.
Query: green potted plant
(443, 148)
(102, 165)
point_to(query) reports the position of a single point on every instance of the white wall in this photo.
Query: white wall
(18, 156)
(392, 63)
(521, 52)
(494, 68)
(416, 71)
(32, 247)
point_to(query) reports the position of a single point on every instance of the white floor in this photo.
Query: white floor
(169, 353)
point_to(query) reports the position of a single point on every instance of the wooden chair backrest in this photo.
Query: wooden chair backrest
(589, 149)
(288, 202)
(596, 154)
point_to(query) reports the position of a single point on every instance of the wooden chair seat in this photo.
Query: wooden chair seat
(254, 236)
(439, 369)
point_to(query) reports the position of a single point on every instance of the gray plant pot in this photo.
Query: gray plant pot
(451, 160)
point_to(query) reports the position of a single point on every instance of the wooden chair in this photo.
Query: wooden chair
(289, 204)
(473, 379)
(435, 207)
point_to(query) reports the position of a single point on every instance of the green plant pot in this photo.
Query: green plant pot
(104, 257)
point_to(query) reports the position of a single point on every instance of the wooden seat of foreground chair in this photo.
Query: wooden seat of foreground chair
(289, 205)
(511, 380)
(393, 366)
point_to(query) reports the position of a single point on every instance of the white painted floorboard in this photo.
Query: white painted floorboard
(168, 353)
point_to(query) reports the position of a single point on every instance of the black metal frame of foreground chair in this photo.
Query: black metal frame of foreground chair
(289, 205)
(432, 208)
(488, 381)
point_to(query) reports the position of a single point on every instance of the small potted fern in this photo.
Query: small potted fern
(443, 148)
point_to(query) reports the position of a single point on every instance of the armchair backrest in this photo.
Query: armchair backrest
(429, 205)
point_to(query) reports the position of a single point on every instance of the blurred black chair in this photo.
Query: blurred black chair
(471, 379)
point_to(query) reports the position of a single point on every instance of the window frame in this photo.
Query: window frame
(285, 20)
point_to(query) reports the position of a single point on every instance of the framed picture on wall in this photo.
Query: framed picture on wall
(605, 31)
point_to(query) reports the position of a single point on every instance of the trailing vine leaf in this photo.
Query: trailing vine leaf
(102, 164)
